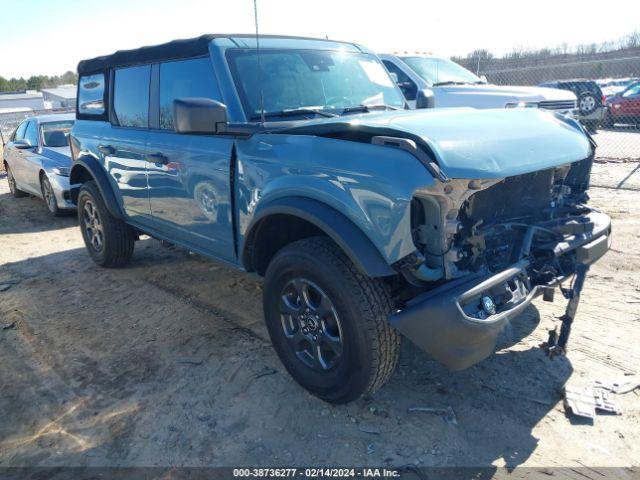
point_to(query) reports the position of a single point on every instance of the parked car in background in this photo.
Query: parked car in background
(612, 86)
(590, 99)
(624, 107)
(299, 162)
(37, 160)
(428, 81)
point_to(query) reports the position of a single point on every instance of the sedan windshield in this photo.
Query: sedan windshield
(310, 83)
(440, 71)
(54, 134)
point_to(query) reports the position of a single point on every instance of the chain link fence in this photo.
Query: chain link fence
(607, 87)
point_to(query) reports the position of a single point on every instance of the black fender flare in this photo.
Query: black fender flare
(99, 176)
(349, 237)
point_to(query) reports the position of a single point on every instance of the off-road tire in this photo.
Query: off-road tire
(118, 237)
(370, 344)
(13, 188)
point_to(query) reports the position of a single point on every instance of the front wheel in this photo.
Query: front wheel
(109, 240)
(328, 322)
(49, 196)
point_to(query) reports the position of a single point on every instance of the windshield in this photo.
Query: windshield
(54, 134)
(304, 80)
(440, 70)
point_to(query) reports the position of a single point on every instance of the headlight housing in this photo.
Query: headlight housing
(522, 105)
(62, 171)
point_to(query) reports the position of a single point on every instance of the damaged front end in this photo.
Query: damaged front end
(487, 248)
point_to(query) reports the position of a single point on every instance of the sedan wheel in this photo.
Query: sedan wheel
(13, 187)
(49, 196)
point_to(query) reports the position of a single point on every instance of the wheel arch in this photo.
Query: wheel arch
(305, 217)
(86, 169)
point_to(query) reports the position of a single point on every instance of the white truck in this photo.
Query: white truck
(428, 81)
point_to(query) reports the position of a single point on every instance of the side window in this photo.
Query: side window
(19, 135)
(409, 89)
(131, 96)
(91, 95)
(31, 135)
(184, 78)
(632, 92)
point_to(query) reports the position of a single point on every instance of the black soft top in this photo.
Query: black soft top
(190, 47)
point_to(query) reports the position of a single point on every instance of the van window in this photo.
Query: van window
(184, 78)
(91, 95)
(131, 96)
(31, 135)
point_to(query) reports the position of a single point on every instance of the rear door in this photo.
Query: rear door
(188, 175)
(123, 142)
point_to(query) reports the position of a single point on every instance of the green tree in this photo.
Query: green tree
(69, 77)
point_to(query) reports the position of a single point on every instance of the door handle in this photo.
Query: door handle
(106, 149)
(157, 158)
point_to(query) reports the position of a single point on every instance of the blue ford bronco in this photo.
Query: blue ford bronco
(297, 159)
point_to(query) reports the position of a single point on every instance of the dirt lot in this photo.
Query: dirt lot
(167, 363)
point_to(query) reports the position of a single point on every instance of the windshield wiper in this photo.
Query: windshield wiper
(368, 108)
(293, 112)
(449, 82)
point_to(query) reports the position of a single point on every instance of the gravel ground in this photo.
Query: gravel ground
(167, 363)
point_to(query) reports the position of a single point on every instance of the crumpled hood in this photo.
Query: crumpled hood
(503, 94)
(470, 143)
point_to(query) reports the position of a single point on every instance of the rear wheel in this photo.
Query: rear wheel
(13, 188)
(328, 322)
(49, 196)
(109, 240)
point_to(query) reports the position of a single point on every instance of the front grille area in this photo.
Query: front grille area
(557, 104)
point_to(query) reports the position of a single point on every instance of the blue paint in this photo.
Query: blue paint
(189, 199)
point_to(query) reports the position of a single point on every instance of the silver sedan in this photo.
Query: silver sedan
(37, 158)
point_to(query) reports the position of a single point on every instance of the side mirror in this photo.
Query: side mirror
(484, 79)
(425, 99)
(199, 115)
(22, 144)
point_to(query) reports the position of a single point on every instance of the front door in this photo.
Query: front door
(188, 175)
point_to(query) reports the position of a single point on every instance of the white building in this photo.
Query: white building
(18, 101)
(63, 96)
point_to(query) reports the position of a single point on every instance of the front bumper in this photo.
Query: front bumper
(61, 189)
(448, 322)
(596, 116)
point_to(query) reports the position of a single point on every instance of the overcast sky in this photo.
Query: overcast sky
(51, 36)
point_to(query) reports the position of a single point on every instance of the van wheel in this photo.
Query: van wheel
(110, 241)
(328, 322)
(49, 196)
(13, 187)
